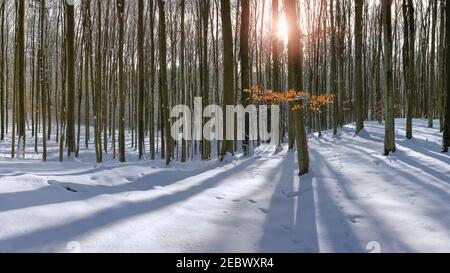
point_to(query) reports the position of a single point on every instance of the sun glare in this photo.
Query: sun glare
(282, 29)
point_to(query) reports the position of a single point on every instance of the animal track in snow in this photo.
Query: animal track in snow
(66, 187)
(263, 210)
(355, 218)
(286, 227)
(294, 194)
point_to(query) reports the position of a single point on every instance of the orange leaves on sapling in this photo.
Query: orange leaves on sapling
(299, 98)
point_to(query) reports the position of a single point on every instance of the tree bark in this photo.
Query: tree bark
(446, 135)
(141, 83)
(295, 82)
(358, 66)
(120, 11)
(245, 82)
(70, 45)
(389, 139)
(163, 81)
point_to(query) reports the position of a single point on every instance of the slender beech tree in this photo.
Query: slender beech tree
(359, 65)
(97, 94)
(433, 79)
(121, 18)
(87, 60)
(275, 41)
(70, 62)
(204, 8)
(141, 79)
(42, 78)
(2, 70)
(334, 78)
(389, 139)
(411, 79)
(152, 79)
(245, 82)
(20, 73)
(295, 82)
(228, 75)
(163, 80)
(183, 72)
(446, 136)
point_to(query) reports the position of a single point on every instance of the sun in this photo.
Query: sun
(282, 29)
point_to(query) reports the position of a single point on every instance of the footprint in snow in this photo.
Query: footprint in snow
(252, 201)
(66, 187)
(295, 193)
(263, 210)
(286, 227)
(220, 197)
(236, 201)
(355, 218)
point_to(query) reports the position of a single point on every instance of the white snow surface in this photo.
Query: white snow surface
(354, 200)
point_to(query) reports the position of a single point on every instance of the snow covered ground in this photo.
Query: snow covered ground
(354, 200)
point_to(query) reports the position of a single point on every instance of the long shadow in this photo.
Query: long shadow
(300, 227)
(338, 218)
(437, 196)
(227, 241)
(399, 155)
(52, 193)
(92, 169)
(415, 163)
(416, 144)
(66, 232)
(420, 148)
(335, 223)
(406, 174)
(305, 226)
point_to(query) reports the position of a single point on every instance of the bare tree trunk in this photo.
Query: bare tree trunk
(410, 93)
(446, 135)
(389, 140)
(432, 87)
(204, 8)
(275, 57)
(152, 79)
(141, 83)
(228, 70)
(43, 78)
(295, 63)
(245, 28)
(2, 70)
(334, 80)
(70, 48)
(182, 77)
(121, 18)
(163, 81)
(358, 66)
(21, 70)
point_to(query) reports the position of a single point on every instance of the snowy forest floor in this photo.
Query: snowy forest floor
(354, 200)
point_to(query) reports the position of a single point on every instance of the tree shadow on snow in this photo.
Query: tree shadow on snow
(290, 227)
(58, 236)
(57, 191)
